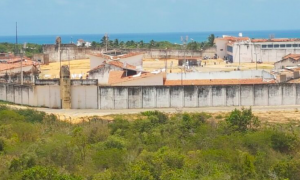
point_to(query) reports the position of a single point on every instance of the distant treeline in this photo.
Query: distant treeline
(147, 146)
(29, 50)
(193, 45)
(32, 49)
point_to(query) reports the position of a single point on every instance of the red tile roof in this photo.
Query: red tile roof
(115, 63)
(295, 57)
(8, 66)
(122, 65)
(131, 54)
(216, 82)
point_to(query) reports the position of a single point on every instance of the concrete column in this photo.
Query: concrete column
(183, 103)
(155, 97)
(211, 96)
(197, 93)
(253, 95)
(142, 98)
(268, 95)
(295, 93)
(127, 98)
(281, 94)
(239, 96)
(170, 97)
(224, 95)
(98, 97)
(114, 91)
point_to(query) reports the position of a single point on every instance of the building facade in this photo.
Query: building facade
(244, 49)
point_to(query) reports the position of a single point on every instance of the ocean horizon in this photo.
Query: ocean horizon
(173, 37)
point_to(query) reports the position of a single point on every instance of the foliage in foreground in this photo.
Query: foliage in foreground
(34, 145)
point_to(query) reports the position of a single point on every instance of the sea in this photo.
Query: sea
(173, 37)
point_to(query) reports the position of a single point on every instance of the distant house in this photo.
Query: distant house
(10, 70)
(80, 42)
(288, 61)
(135, 59)
(83, 43)
(122, 74)
(88, 44)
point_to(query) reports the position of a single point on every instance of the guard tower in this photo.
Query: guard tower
(65, 87)
(64, 79)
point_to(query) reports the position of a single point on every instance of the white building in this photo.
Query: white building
(244, 49)
(289, 61)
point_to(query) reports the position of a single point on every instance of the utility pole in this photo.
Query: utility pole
(184, 41)
(106, 42)
(22, 53)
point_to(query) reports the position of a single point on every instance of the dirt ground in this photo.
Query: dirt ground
(81, 66)
(211, 65)
(267, 114)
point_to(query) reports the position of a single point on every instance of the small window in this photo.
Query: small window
(276, 45)
(295, 45)
(270, 46)
(264, 46)
(221, 49)
(282, 45)
(288, 45)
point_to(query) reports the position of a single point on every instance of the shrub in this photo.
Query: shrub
(32, 115)
(119, 123)
(2, 144)
(283, 142)
(242, 120)
(161, 117)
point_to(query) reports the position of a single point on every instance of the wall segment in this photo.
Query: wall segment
(91, 96)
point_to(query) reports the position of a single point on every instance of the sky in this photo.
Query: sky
(51, 17)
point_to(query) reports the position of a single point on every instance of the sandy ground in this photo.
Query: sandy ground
(211, 65)
(272, 114)
(81, 66)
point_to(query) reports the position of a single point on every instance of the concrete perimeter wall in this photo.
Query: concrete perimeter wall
(198, 96)
(40, 96)
(88, 95)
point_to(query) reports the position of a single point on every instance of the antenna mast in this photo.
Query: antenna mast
(16, 45)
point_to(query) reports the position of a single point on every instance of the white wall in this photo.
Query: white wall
(221, 45)
(220, 75)
(95, 61)
(134, 60)
(249, 52)
(155, 80)
(102, 74)
(84, 97)
(48, 96)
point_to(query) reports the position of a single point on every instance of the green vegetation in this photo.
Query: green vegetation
(165, 45)
(29, 51)
(155, 145)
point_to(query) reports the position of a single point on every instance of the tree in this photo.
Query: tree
(80, 140)
(116, 43)
(104, 41)
(142, 44)
(242, 120)
(193, 46)
(151, 44)
(94, 44)
(211, 40)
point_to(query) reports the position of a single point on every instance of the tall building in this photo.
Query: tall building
(244, 49)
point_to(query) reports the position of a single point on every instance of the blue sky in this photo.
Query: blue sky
(41, 17)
